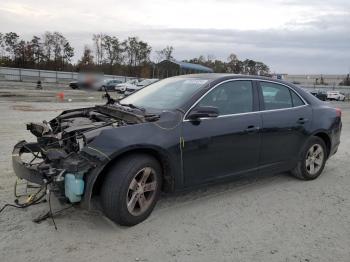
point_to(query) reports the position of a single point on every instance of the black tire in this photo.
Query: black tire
(301, 171)
(115, 188)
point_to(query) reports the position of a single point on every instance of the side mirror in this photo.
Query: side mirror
(203, 111)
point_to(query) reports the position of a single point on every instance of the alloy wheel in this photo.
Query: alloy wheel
(314, 159)
(142, 191)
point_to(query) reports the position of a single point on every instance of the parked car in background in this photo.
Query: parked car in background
(85, 82)
(335, 95)
(120, 88)
(322, 95)
(176, 134)
(80, 84)
(133, 88)
(109, 84)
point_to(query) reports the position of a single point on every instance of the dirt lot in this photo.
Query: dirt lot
(269, 218)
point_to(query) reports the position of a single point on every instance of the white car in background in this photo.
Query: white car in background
(335, 95)
(121, 88)
(131, 89)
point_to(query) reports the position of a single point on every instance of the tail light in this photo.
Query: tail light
(338, 112)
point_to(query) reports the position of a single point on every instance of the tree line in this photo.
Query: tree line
(233, 65)
(107, 54)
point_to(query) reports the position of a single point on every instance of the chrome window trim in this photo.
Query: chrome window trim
(246, 113)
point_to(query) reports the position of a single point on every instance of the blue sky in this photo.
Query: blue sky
(291, 36)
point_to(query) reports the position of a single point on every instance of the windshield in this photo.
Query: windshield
(146, 82)
(169, 93)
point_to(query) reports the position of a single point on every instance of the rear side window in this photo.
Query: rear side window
(275, 96)
(296, 99)
(232, 97)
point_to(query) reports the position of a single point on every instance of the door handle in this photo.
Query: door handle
(302, 120)
(252, 129)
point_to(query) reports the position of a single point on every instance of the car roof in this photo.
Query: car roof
(225, 76)
(215, 78)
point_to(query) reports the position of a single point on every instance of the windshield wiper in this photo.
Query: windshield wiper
(110, 100)
(134, 107)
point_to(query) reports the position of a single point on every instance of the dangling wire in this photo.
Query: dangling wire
(51, 214)
(33, 199)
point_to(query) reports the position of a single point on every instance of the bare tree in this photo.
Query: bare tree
(98, 46)
(165, 54)
(87, 60)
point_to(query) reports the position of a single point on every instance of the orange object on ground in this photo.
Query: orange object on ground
(60, 96)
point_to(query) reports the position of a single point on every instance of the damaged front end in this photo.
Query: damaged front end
(57, 158)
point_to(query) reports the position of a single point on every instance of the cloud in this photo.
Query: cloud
(292, 36)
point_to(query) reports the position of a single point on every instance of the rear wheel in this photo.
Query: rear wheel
(313, 160)
(131, 189)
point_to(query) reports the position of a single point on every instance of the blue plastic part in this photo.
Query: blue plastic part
(74, 187)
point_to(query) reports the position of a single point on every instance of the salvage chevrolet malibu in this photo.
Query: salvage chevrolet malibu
(175, 134)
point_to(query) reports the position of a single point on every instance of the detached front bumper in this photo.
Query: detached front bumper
(29, 172)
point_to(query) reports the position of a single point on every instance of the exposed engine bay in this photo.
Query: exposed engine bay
(57, 157)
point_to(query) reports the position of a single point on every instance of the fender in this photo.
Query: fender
(170, 168)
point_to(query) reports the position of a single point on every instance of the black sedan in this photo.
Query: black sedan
(322, 95)
(179, 133)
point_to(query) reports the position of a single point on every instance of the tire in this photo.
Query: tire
(304, 169)
(126, 183)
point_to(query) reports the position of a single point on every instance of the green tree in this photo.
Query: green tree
(234, 65)
(113, 50)
(136, 52)
(37, 49)
(11, 42)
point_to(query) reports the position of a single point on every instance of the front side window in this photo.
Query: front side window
(275, 96)
(232, 97)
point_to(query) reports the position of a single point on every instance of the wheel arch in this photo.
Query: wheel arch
(326, 139)
(162, 158)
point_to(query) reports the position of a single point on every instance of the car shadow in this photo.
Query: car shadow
(175, 201)
(233, 185)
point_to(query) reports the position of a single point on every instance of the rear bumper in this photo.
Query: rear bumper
(25, 170)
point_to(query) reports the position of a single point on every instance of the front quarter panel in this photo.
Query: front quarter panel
(162, 136)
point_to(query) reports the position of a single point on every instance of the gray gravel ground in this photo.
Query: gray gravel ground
(262, 218)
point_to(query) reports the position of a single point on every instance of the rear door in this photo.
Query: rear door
(286, 120)
(228, 144)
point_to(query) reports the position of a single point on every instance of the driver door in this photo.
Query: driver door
(226, 145)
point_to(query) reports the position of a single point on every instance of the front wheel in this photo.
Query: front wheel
(313, 160)
(131, 189)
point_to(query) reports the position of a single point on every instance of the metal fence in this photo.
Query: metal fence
(46, 76)
(342, 89)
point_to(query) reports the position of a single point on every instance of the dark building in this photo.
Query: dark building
(173, 67)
